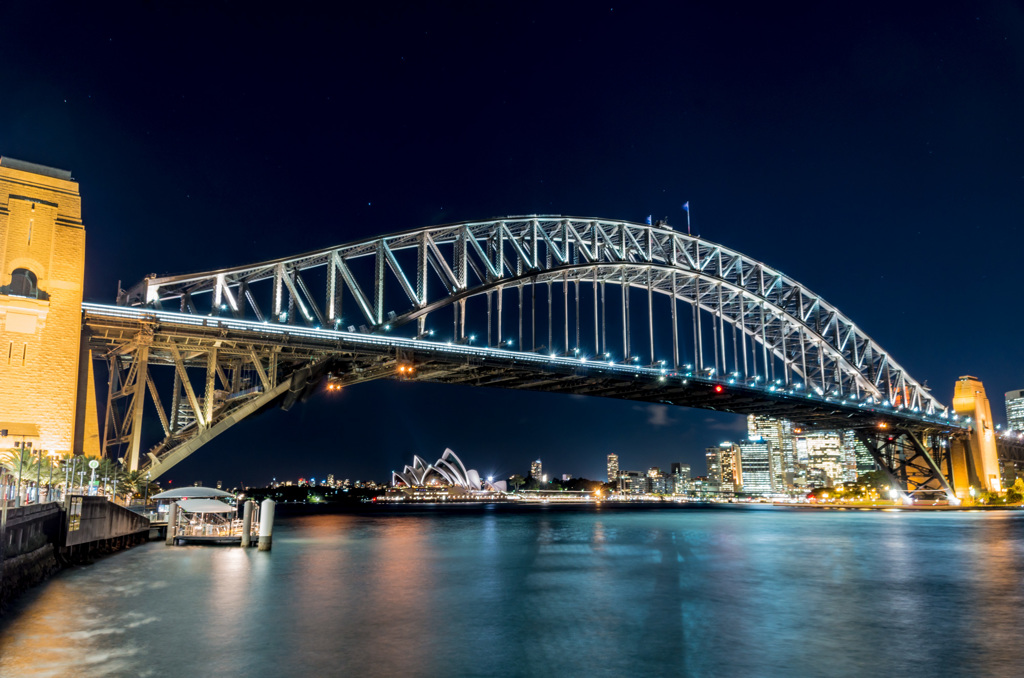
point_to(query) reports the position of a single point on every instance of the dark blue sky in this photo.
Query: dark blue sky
(874, 154)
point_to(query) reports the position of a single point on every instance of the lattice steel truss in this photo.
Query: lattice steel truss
(781, 332)
(916, 464)
(734, 334)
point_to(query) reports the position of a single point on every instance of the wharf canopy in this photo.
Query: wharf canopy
(193, 492)
(448, 470)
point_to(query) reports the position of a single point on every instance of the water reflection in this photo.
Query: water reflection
(535, 593)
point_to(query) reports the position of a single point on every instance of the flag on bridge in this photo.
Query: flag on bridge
(649, 219)
(686, 206)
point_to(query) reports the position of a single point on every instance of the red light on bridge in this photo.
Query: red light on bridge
(719, 388)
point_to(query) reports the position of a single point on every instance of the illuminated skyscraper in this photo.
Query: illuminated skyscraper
(613, 468)
(536, 469)
(825, 458)
(724, 466)
(857, 455)
(779, 434)
(758, 475)
(680, 477)
(714, 469)
(1015, 410)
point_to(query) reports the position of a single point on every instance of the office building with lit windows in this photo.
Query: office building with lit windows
(1015, 410)
(779, 434)
(613, 468)
(758, 476)
(724, 466)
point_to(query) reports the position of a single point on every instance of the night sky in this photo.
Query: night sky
(875, 154)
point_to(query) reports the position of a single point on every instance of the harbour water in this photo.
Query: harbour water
(546, 591)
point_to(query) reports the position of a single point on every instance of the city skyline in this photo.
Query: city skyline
(860, 164)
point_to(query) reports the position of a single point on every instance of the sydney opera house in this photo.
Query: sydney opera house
(447, 472)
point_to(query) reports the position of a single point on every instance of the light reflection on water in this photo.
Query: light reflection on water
(547, 592)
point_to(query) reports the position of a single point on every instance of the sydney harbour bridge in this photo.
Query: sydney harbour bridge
(544, 303)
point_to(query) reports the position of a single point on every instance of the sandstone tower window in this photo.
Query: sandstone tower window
(24, 284)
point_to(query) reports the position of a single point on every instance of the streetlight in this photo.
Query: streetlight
(21, 462)
(66, 470)
(39, 471)
(49, 482)
(93, 465)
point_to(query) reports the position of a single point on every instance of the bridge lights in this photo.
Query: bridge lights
(719, 388)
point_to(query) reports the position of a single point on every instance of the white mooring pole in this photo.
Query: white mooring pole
(247, 523)
(172, 523)
(266, 524)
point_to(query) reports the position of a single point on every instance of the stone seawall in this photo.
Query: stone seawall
(40, 539)
(25, 571)
(22, 572)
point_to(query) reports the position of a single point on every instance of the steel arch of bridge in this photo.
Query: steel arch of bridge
(783, 335)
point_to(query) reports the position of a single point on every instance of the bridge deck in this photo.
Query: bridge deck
(360, 357)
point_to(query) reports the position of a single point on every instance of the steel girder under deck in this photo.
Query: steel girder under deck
(917, 462)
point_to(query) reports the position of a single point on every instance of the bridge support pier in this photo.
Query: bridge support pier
(912, 468)
(970, 401)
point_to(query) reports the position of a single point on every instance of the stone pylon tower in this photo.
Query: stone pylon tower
(46, 391)
(969, 400)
